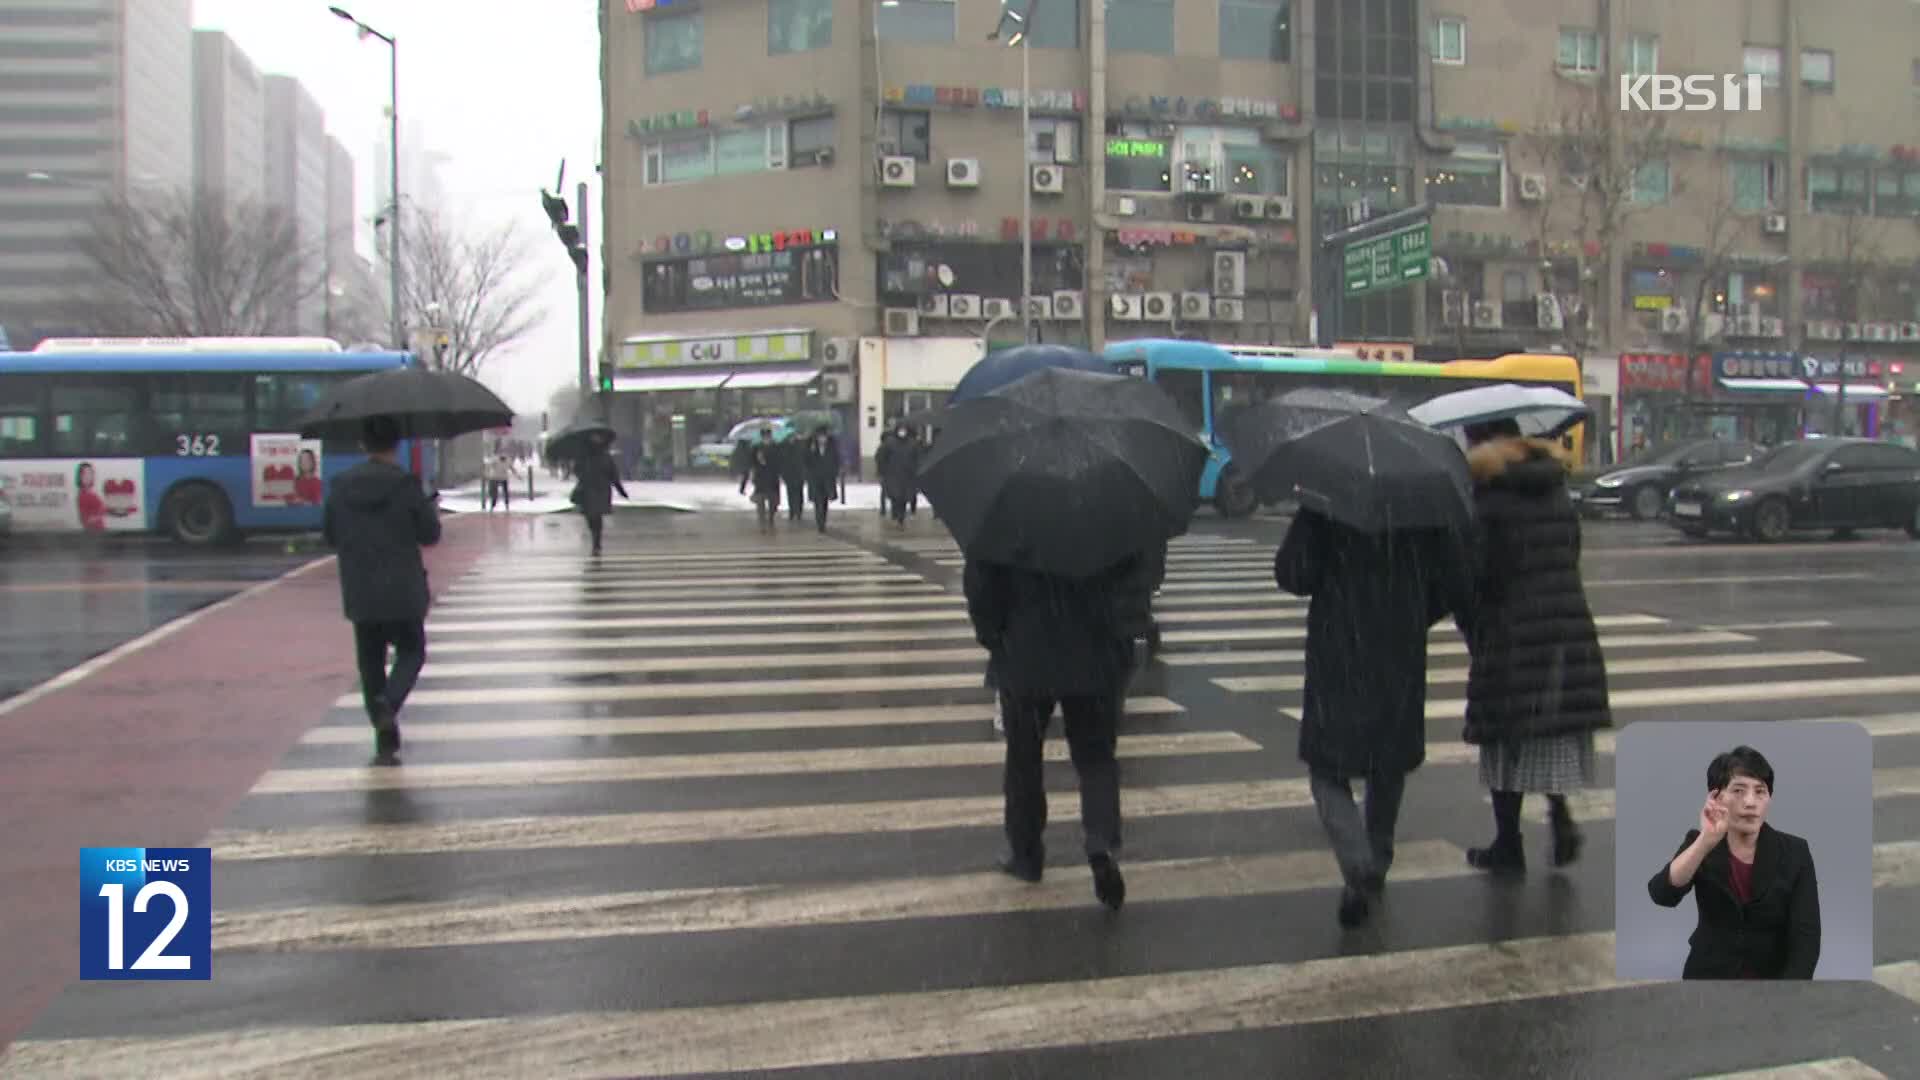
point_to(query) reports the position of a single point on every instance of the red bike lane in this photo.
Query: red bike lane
(152, 745)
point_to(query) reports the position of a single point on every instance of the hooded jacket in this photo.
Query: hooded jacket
(377, 517)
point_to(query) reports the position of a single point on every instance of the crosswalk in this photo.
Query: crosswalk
(723, 804)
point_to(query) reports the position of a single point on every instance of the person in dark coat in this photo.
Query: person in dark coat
(1053, 640)
(377, 516)
(821, 463)
(793, 472)
(1136, 599)
(1375, 597)
(1758, 898)
(763, 469)
(596, 479)
(1537, 687)
(899, 463)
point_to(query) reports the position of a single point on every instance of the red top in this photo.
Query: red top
(93, 510)
(1742, 873)
(308, 489)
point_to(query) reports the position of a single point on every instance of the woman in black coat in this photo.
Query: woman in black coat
(1758, 899)
(899, 463)
(596, 479)
(821, 467)
(1537, 688)
(763, 469)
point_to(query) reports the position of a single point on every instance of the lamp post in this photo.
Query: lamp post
(393, 170)
(1018, 38)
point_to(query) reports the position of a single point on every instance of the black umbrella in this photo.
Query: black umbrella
(425, 404)
(1067, 472)
(1358, 460)
(576, 439)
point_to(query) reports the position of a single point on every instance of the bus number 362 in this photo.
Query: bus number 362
(196, 445)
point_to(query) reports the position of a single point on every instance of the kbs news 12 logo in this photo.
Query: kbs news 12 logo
(1693, 93)
(146, 913)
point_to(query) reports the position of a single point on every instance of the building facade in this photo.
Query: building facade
(229, 121)
(819, 202)
(296, 181)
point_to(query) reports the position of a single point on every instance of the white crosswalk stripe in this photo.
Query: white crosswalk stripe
(762, 757)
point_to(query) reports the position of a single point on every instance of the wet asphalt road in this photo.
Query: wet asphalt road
(725, 803)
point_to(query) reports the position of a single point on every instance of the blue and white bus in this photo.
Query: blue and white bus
(194, 438)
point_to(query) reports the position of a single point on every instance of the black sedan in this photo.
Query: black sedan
(1640, 484)
(1838, 484)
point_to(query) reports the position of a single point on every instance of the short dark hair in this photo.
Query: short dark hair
(1505, 427)
(1739, 761)
(380, 434)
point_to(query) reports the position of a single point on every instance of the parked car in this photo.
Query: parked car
(1839, 484)
(710, 455)
(1639, 485)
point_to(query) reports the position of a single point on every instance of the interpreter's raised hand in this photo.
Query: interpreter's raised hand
(1713, 819)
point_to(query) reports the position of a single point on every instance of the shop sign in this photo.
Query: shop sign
(1136, 148)
(1476, 123)
(1654, 371)
(641, 127)
(990, 97)
(1201, 108)
(1381, 351)
(930, 230)
(1757, 365)
(1043, 229)
(716, 351)
(1226, 234)
(1652, 303)
(705, 241)
(1829, 367)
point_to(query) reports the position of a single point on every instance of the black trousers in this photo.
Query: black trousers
(595, 522)
(821, 491)
(1092, 724)
(499, 491)
(796, 498)
(370, 642)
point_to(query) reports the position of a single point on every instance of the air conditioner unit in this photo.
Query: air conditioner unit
(1878, 331)
(1774, 225)
(1196, 306)
(1453, 307)
(897, 172)
(837, 389)
(902, 322)
(1125, 307)
(1673, 320)
(995, 307)
(1249, 208)
(1533, 187)
(963, 305)
(934, 306)
(963, 172)
(1546, 307)
(1910, 331)
(1851, 331)
(1123, 205)
(1823, 330)
(1070, 305)
(1745, 324)
(1039, 307)
(1199, 211)
(837, 354)
(1157, 307)
(1279, 208)
(1229, 273)
(1049, 180)
(1229, 309)
(1486, 315)
(1773, 328)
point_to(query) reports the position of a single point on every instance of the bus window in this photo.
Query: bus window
(1185, 387)
(22, 400)
(93, 415)
(198, 413)
(281, 399)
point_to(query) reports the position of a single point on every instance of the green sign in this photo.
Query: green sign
(1140, 148)
(1390, 261)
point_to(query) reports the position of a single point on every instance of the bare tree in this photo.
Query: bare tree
(1851, 253)
(197, 264)
(473, 285)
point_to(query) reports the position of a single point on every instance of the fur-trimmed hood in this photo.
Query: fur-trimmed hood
(1501, 459)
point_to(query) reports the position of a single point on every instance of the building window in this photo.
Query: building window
(1762, 60)
(907, 132)
(1816, 68)
(810, 141)
(1140, 26)
(1254, 168)
(1449, 40)
(1364, 54)
(1473, 175)
(1137, 160)
(736, 153)
(1643, 54)
(926, 22)
(799, 25)
(686, 160)
(1055, 24)
(1652, 182)
(1256, 30)
(1056, 141)
(1756, 185)
(1579, 50)
(1896, 194)
(673, 42)
(1836, 189)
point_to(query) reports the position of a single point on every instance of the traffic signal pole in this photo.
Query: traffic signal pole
(1329, 279)
(586, 332)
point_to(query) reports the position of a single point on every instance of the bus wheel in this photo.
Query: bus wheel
(196, 514)
(1233, 496)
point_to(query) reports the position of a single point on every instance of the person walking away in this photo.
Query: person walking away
(1537, 685)
(822, 470)
(899, 463)
(1374, 597)
(793, 472)
(500, 471)
(378, 517)
(1053, 640)
(489, 478)
(763, 468)
(597, 478)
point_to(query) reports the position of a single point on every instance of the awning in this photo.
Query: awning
(1765, 386)
(768, 378)
(669, 380)
(1856, 390)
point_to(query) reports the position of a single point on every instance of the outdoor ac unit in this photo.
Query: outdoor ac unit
(1851, 331)
(1157, 307)
(1823, 330)
(963, 305)
(902, 322)
(1229, 309)
(1774, 225)
(1122, 205)
(1125, 306)
(995, 307)
(1199, 211)
(963, 172)
(1049, 180)
(933, 306)
(836, 354)
(1069, 304)
(1486, 315)
(1196, 305)
(1745, 324)
(1546, 308)
(1280, 208)
(1229, 273)
(1673, 320)
(1453, 307)
(837, 389)
(1249, 208)
(1910, 331)
(1878, 331)
(1039, 307)
(1773, 328)
(1533, 187)
(897, 172)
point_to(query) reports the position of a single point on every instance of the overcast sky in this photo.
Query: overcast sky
(504, 88)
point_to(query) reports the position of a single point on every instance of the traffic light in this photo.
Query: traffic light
(606, 377)
(569, 234)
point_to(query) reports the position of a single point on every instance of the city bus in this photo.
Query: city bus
(1210, 380)
(193, 438)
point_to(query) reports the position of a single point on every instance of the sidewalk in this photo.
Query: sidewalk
(692, 495)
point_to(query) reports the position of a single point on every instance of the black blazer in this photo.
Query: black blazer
(1777, 935)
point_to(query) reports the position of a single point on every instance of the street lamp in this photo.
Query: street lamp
(1018, 38)
(393, 162)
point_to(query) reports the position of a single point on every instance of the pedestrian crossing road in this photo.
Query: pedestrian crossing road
(719, 803)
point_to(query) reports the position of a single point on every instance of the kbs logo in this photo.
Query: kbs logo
(1694, 93)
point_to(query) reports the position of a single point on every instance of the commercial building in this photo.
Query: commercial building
(229, 121)
(820, 201)
(297, 174)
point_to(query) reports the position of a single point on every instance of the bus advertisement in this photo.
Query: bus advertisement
(1210, 382)
(192, 438)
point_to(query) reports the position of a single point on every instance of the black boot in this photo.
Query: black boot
(386, 733)
(1026, 869)
(1506, 855)
(1567, 840)
(1354, 907)
(1108, 886)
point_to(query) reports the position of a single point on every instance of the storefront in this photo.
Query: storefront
(1657, 404)
(1847, 395)
(1759, 396)
(672, 395)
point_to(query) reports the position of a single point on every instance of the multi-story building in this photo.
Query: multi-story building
(95, 96)
(821, 201)
(296, 178)
(229, 121)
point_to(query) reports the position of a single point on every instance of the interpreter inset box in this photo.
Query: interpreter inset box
(1743, 850)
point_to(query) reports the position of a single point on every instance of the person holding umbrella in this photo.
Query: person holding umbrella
(596, 478)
